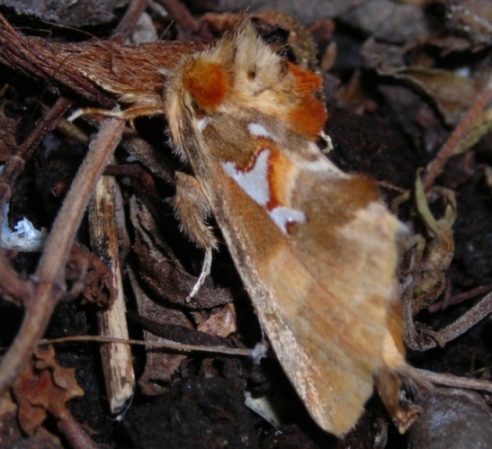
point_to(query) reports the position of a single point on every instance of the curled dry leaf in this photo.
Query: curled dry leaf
(451, 92)
(44, 387)
(435, 251)
(222, 323)
(93, 279)
(160, 366)
(160, 269)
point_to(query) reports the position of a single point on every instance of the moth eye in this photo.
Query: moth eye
(252, 74)
(276, 38)
(288, 53)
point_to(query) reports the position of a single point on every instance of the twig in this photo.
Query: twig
(74, 433)
(449, 380)
(462, 297)
(116, 359)
(127, 23)
(466, 134)
(13, 288)
(469, 319)
(186, 22)
(178, 347)
(47, 280)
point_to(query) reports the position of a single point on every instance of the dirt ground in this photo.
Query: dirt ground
(408, 93)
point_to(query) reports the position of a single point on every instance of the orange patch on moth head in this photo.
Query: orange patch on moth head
(308, 117)
(207, 82)
(305, 82)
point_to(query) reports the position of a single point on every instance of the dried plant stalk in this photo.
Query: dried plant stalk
(116, 358)
(47, 286)
(105, 72)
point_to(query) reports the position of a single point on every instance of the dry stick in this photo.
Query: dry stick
(127, 23)
(449, 380)
(43, 126)
(466, 321)
(461, 297)
(435, 378)
(116, 359)
(460, 133)
(73, 432)
(167, 344)
(181, 15)
(48, 278)
(477, 313)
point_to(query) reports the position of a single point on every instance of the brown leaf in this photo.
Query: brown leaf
(101, 71)
(160, 366)
(44, 387)
(93, 279)
(221, 324)
(162, 272)
(435, 253)
(452, 93)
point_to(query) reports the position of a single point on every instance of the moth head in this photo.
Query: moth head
(242, 72)
(271, 84)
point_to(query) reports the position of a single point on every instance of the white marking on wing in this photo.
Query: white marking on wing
(255, 181)
(258, 130)
(282, 216)
(203, 123)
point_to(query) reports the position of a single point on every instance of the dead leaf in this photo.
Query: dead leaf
(434, 251)
(162, 271)
(222, 323)
(44, 387)
(93, 279)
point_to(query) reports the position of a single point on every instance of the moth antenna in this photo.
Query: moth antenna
(206, 267)
(128, 114)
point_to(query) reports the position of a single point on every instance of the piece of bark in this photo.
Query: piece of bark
(116, 358)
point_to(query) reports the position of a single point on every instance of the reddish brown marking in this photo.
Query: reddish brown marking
(305, 82)
(278, 171)
(308, 117)
(207, 82)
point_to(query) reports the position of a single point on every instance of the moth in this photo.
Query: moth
(315, 247)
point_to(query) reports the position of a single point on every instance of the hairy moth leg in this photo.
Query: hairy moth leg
(192, 209)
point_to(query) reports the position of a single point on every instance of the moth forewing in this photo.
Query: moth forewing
(315, 247)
